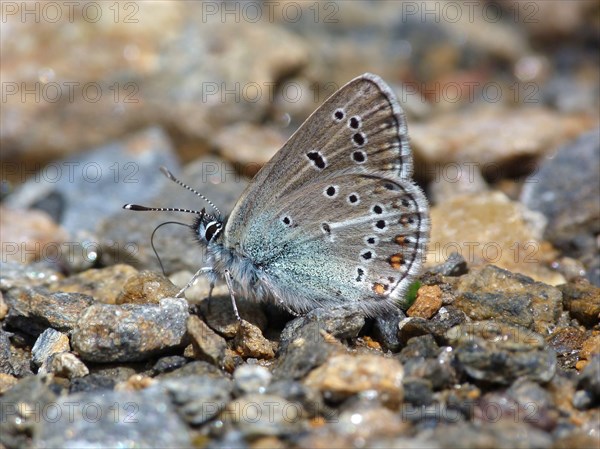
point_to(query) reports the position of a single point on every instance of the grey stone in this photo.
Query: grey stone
(310, 398)
(92, 184)
(494, 293)
(207, 344)
(48, 343)
(66, 364)
(18, 276)
(417, 391)
(196, 399)
(251, 379)
(92, 382)
(385, 330)
(258, 415)
(590, 379)
(130, 332)
(565, 190)
(195, 368)
(113, 419)
(168, 363)
(35, 310)
(454, 265)
(500, 353)
(22, 409)
(301, 349)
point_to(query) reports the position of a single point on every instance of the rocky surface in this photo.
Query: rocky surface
(488, 349)
(499, 345)
(571, 202)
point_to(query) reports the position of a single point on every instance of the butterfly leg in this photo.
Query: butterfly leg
(280, 300)
(229, 282)
(285, 306)
(195, 277)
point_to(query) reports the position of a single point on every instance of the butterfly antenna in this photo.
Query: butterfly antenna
(137, 207)
(170, 175)
(162, 268)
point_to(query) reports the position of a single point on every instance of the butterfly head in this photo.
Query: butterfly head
(208, 228)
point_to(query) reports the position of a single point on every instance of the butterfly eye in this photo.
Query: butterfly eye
(212, 229)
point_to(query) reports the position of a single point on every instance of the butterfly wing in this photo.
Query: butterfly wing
(360, 129)
(307, 217)
(349, 238)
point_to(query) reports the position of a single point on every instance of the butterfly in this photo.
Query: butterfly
(334, 218)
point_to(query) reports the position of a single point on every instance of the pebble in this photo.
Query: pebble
(104, 284)
(567, 341)
(492, 292)
(340, 322)
(249, 146)
(502, 433)
(30, 235)
(366, 420)
(438, 372)
(469, 136)
(589, 349)
(7, 382)
(219, 315)
(264, 414)
(250, 379)
(207, 344)
(131, 161)
(301, 349)
(447, 317)
(92, 382)
(3, 307)
(488, 228)
(385, 330)
(454, 265)
(197, 398)
(423, 346)
(117, 421)
(22, 405)
(565, 190)
(590, 380)
(500, 353)
(168, 363)
(344, 375)
(18, 276)
(194, 368)
(534, 397)
(130, 332)
(49, 342)
(582, 300)
(34, 310)
(6, 357)
(417, 391)
(310, 398)
(428, 302)
(66, 364)
(146, 287)
(250, 342)
(456, 179)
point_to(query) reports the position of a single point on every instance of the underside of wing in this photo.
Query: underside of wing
(360, 129)
(350, 238)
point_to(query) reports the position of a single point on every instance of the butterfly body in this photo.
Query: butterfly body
(334, 218)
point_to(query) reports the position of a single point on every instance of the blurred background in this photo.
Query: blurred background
(501, 97)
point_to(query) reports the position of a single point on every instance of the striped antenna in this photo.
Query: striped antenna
(161, 209)
(169, 175)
